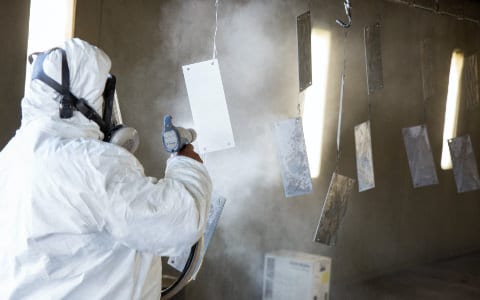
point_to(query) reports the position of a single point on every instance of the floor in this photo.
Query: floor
(454, 278)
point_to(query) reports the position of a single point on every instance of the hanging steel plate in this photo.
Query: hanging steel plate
(209, 106)
(420, 158)
(216, 208)
(373, 55)
(465, 167)
(363, 150)
(334, 209)
(304, 29)
(292, 154)
(470, 81)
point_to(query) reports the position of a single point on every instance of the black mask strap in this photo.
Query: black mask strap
(108, 99)
(68, 102)
(38, 73)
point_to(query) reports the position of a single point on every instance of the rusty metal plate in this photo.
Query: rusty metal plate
(334, 209)
(304, 30)
(292, 154)
(363, 150)
(465, 167)
(373, 55)
(420, 158)
(470, 81)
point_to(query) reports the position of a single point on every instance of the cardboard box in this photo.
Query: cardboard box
(292, 275)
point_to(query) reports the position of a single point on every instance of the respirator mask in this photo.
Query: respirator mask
(110, 124)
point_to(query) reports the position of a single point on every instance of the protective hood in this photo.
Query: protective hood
(89, 68)
(79, 219)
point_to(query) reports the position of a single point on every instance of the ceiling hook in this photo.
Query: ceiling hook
(347, 5)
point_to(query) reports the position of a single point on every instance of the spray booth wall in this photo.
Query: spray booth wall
(384, 229)
(13, 30)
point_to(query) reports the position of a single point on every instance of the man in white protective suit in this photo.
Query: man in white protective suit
(78, 217)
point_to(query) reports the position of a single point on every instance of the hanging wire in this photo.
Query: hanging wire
(369, 105)
(299, 108)
(340, 108)
(216, 28)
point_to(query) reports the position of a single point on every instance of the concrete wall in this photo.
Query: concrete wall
(14, 34)
(385, 229)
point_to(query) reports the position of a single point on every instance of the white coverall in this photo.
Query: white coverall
(78, 217)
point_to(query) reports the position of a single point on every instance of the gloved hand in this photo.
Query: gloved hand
(188, 151)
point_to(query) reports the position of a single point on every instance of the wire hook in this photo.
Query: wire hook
(347, 5)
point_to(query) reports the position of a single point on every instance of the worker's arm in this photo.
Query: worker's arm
(161, 217)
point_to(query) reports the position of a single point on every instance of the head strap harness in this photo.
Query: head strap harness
(68, 101)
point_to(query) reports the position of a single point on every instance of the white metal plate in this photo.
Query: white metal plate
(363, 149)
(292, 154)
(209, 106)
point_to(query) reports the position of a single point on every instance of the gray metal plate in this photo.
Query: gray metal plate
(363, 149)
(216, 208)
(465, 167)
(373, 55)
(334, 209)
(304, 29)
(470, 81)
(427, 56)
(420, 158)
(292, 154)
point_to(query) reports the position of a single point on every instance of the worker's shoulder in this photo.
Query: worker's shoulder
(96, 150)
(83, 155)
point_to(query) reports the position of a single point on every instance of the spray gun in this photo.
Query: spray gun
(175, 138)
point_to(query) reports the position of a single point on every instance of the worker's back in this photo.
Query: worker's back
(53, 245)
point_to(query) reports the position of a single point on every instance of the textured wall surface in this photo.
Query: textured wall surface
(14, 33)
(386, 228)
